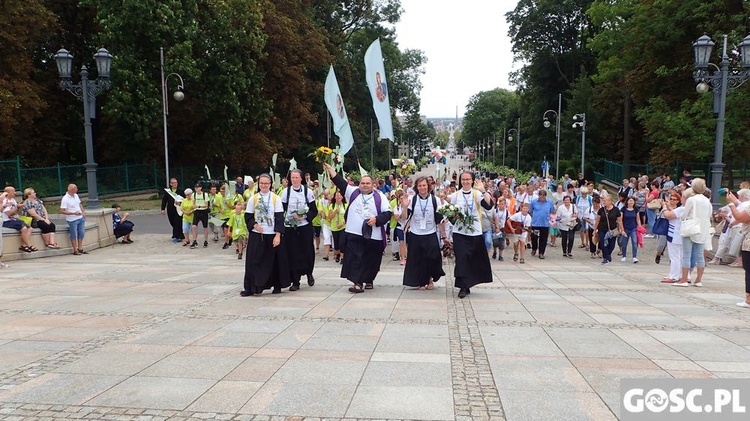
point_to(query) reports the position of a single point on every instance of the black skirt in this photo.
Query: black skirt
(300, 250)
(472, 262)
(423, 260)
(266, 266)
(362, 259)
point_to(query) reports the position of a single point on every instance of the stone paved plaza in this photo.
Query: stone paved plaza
(154, 331)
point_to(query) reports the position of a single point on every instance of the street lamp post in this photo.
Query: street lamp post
(722, 80)
(557, 130)
(580, 121)
(178, 96)
(86, 91)
(510, 138)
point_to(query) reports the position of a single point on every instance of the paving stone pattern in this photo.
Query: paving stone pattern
(154, 331)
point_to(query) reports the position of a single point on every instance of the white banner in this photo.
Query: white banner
(376, 81)
(335, 105)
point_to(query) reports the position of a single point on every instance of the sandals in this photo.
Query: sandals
(26, 249)
(431, 285)
(422, 288)
(368, 286)
(357, 288)
(515, 257)
(522, 261)
(53, 246)
(325, 258)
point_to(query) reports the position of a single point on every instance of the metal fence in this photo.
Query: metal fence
(616, 171)
(53, 181)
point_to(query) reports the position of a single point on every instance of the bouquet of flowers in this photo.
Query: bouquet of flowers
(404, 166)
(325, 155)
(291, 221)
(458, 217)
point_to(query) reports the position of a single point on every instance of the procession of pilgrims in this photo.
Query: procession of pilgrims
(284, 229)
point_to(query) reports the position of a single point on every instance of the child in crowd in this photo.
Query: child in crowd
(521, 222)
(187, 207)
(238, 226)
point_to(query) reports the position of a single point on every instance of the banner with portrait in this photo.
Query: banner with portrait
(376, 82)
(335, 104)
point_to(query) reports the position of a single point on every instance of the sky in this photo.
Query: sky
(467, 47)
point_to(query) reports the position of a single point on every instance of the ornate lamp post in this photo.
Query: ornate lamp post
(580, 121)
(510, 139)
(178, 96)
(86, 91)
(557, 130)
(722, 80)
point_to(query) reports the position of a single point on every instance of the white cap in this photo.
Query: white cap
(188, 191)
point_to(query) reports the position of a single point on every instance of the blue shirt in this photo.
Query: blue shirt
(629, 222)
(540, 212)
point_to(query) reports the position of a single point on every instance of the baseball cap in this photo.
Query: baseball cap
(198, 184)
(188, 191)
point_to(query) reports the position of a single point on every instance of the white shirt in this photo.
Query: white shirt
(675, 225)
(297, 201)
(422, 216)
(267, 205)
(469, 201)
(566, 217)
(71, 204)
(502, 216)
(363, 208)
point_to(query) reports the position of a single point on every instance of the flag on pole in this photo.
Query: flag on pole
(335, 105)
(375, 76)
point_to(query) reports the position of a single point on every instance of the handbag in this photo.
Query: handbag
(690, 226)
(26, 219)
(655, 204)
(616, 231)
(578, 223)
(661, 226)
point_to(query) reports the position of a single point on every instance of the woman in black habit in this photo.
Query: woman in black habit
(424, 265)
(472, 262)
(266, 265)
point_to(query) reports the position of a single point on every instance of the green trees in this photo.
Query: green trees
(628, 65)
(489, 115)
(253, 73)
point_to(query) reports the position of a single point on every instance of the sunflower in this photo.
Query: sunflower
(325, 150)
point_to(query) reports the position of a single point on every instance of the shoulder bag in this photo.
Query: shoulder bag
(690, 225)
(655, 204)
(616, 231)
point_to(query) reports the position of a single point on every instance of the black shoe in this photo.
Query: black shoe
(239, 256)
(494, 255)
(468, 291)
(658, 258)
(276, 291)
(533, 252)
(541, 256)
(294, 287)
(194, 245)
(396, 257)
(225, 246)
(230, 241)
(245, 293)
(462, 293)
(310, 280)
(338, 259)
(205, 244)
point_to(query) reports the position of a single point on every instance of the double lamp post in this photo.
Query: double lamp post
(86, 91)
(722, 80)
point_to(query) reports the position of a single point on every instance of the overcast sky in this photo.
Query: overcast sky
(467, 47)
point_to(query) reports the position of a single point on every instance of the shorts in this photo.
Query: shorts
(186, 227)
(316, 231)
(201, 216)
(77, 229)
(498, 240)
(15, 224)
(398, 234)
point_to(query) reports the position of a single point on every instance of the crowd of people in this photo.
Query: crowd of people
(280, 231)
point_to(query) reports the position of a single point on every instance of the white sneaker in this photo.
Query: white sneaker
(635, 260)
(743, 304)
(698, 284)
(624, 259)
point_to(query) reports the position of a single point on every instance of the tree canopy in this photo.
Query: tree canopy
(253, 73)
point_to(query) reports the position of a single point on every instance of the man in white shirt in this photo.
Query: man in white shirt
(70, 206)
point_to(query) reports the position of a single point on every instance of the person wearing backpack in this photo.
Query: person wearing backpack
(299, 231)
(425, 264)
(366, 216)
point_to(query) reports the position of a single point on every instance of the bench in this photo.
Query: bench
(98, 233)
